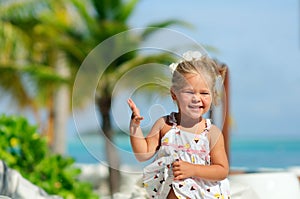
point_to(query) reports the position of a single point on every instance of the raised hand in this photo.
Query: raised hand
(135, 117)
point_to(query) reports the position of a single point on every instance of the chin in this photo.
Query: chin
(196, 115)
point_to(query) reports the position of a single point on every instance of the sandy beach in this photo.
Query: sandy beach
(97, 175)
(261, 184)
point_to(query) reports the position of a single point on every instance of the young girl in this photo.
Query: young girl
(190, 157)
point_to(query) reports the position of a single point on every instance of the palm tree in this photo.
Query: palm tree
(110, 18)
(68, 31)
(14, 44)
(36, 42)
(15, 50)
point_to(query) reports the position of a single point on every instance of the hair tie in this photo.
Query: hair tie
(192, 55)
(173, 67)
(187, 56)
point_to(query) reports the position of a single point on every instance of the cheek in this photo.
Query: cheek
(207, 100)
(182, 100)
(185, 98)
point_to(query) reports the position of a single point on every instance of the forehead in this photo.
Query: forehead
(196, 80)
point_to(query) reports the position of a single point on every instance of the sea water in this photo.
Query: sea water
(245, 153)
(256, 153)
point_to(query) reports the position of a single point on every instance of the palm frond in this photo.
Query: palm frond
(10, 82)
(85, 16)
(22, 12)
(139, 60)
(156, 26)
(163, 58)
(43, 73)
(13, 42)
(103, 8)
(125, 10)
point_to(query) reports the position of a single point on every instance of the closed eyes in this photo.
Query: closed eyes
(193, 92)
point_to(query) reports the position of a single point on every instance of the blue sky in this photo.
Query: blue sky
(260, 42)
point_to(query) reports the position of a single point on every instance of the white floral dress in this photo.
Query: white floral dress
(177, 144)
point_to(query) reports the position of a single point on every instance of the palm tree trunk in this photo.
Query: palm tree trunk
(49, 127)
(104, 104)
(61, 106)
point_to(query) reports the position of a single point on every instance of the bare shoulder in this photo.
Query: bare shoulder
(158, 126)
(214, 129)
(160, 122)
(162, 125)
(214, 135)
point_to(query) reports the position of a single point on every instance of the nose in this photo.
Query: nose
(196, 98)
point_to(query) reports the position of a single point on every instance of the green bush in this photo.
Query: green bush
(24, 150)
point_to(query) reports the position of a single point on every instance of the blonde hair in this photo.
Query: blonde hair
(204, 66)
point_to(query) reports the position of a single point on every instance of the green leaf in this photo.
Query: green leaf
(125, 11)
(54, 173)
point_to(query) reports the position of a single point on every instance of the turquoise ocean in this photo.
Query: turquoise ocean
(245, 153)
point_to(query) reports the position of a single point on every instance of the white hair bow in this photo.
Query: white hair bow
(187, 56)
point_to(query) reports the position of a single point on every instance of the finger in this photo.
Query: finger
(179, 177)
(138, 118)
(176, 172)
(176, 163)
(131, 104)
(175, 166)
(134, 109)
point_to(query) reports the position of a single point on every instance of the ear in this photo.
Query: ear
(172, 94)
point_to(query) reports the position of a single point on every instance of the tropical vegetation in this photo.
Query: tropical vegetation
(42, 45)
(23, 149)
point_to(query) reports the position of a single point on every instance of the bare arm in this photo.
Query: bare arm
(143, 147)
(219, 168)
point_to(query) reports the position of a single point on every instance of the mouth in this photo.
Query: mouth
(196, 107)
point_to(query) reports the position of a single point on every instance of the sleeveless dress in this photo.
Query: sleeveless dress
(194, 148)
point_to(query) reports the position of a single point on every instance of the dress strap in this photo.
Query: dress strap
(208, 125)
(172, 119)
